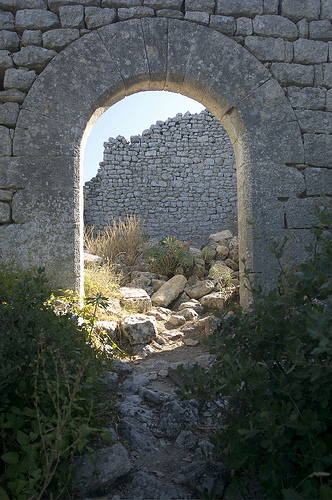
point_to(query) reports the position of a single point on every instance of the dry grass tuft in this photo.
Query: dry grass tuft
(118, 238)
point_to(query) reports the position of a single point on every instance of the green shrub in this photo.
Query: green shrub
(169, 258)
(272, 381)
(48, 368)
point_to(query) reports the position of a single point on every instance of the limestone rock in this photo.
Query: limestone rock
(139, 329)
(112, 463)
(145, 486)
(33, 57)
(200, 289)
(222, 235)
(176, 320)
(221, 271)
(60, 38)
(19, 79)
(89, 258)
(189, 314)
(168, 292)
(192, 304)
(135, 298)
(176, 416)
(222, 252)
(96, 17)
(218, 300)
(36, 19)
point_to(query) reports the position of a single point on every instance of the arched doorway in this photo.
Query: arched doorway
(117, 60)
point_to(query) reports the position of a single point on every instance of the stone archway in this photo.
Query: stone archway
(117, 60)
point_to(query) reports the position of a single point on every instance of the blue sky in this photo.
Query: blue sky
(131, 116)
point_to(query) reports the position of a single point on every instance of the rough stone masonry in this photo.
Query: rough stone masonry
(263, 68)
(179, 176)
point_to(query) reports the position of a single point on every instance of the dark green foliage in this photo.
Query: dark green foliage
(169, 258)
(48, 367)
(272, 381)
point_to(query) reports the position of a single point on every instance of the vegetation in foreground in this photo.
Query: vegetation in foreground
(272, 381)
(49, 367)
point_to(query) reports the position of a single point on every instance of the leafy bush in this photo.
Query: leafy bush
(272, 381)
(169, 258)
(48, 368)
(118, 238)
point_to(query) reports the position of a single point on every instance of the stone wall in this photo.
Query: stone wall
(179, 176)
(262, 67)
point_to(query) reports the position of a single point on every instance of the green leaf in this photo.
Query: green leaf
(290, 494)
(3, 494)
(22, 438)
(107, 436)
(325, 492)
(11, 457)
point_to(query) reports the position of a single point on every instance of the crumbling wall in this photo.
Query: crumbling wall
(179, 176)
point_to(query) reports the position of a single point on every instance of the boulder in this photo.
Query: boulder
(169, 291)
(145, 486)
(136, 298)
(220, 270)
(139, 329)
(112, 463)
(200, 289)
(222, 235)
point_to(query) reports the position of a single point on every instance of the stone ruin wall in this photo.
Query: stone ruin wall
(179, 176)
(290, 39)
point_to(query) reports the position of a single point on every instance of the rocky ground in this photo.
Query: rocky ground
(161, 444)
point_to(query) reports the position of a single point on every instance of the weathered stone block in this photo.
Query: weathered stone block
(155, 37)
(5, 213)
(55, 5)
(170, 13)
(303, 27)
(275, 26)
(9, 113)
(313, 121)
(139, 329)
(20, 79)
(197, 17)
(326, 9)
(266, 49)
(5, 142)
(14, 5)
(36, 19)
(12, 95)
(6, 21)
(307, 97)
(54, 245)
(224, 24)
(53, 172)
(293, 74)
(96, 17)
(9, 40)
(118, 4)
(319, 181)
(200, 5)
(31, 37)
(271, 6)
(160, 4)
(5, 60)
(244, 26)
(310, 51)
(327, 72)
(135, 12)
(33, 57)
(5, 195)
(299, 9)
(320, 30)
(329, 100)
(58, 39)
(318, 149)
(72, 16)
(239, 8)
(45, 205)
